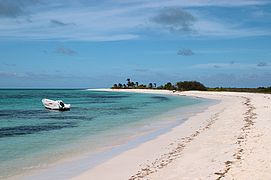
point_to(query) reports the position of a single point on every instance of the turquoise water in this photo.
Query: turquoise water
(32, 137)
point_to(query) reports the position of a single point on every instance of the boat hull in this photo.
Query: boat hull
(55, 105)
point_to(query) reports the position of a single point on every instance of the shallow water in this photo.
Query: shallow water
(32, 137)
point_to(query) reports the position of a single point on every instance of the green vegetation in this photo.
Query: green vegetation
(190, 85)
(255, 90)
(167, 86)
(186, 86)
(180, 86)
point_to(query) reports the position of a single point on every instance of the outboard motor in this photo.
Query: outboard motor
(61, 105)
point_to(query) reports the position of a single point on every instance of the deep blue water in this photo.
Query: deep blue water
(32, 136)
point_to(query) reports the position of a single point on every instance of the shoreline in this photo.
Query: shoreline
(213, 144)
(78, 164)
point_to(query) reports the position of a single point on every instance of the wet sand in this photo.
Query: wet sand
(229, 140)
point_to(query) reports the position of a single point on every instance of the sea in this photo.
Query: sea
(99, 125)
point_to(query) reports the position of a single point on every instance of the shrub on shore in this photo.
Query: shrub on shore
(190, 85)
(186, 86)
(180, 86)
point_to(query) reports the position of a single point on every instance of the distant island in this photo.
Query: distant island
(186, 86)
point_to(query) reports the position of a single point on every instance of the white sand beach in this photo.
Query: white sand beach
(229, 140)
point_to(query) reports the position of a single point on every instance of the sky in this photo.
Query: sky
(96, 43)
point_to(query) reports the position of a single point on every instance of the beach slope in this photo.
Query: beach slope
(229, 140)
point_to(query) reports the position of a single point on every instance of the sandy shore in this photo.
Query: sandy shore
(229, 140)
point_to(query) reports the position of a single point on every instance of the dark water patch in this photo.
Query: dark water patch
(118, 110)
(160, 98)
(123, 108)
(94, 102)
(102, 109)
(68, 117)
(109, 96)
(4, 114)
(13, 113)
(25, 130)
(17, 96)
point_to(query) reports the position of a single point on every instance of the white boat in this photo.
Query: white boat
(55, 105)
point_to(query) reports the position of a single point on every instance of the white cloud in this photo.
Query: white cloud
(231, 66)
(194, 3)
(4, 74)
(115, 20)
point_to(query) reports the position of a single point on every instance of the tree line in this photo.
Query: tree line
(186, 86)
(179, 86)
(254, 90)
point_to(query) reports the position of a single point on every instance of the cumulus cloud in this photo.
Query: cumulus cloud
(231, 66)
(185, 52)
(59, 23)
(118, 20)
(262, 64)
(11, 74)
(15, 8)
(175, 20)
(217, 66)
(142, 70)
(65, 51)
(9, 9)
(8, 64)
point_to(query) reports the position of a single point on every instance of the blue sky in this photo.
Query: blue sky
(91, 43)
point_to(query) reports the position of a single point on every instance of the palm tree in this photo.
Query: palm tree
(120, 85)
(132, 84)
(128, 82)
(169, 86)
(115, 86)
